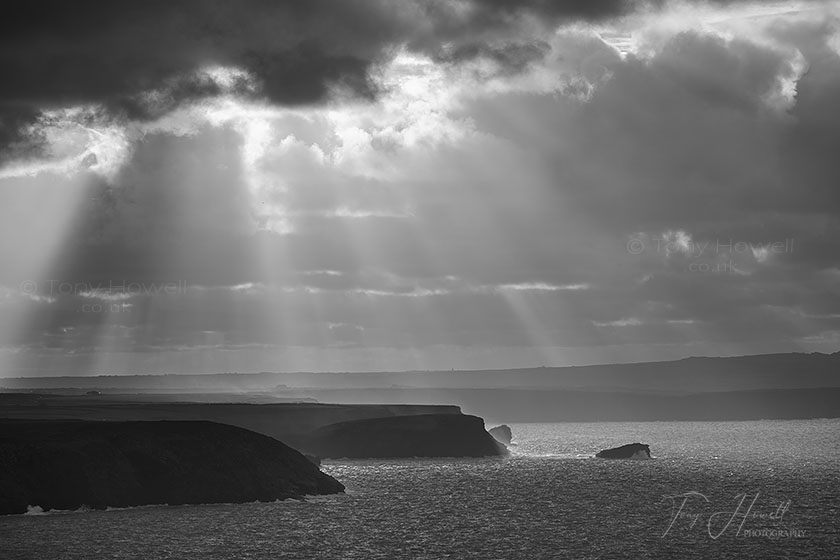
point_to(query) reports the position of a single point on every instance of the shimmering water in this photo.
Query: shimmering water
(549, 500)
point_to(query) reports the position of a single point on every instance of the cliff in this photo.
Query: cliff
(67, 464)
(428, 435)
(295, 424)
(282, 421)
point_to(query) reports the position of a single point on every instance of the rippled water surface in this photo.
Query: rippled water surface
(550, 499)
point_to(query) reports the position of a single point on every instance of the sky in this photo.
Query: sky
(212, 186)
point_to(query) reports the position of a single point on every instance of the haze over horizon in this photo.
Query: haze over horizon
(197, 187)
(398, 372)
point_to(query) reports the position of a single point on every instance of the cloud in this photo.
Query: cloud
(142, 60)
(478, 194)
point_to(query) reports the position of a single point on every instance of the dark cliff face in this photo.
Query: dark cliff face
(67, 464)
(429, 435)
(625, 451)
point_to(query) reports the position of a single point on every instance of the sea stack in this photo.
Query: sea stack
(629, 451)
(501, 433)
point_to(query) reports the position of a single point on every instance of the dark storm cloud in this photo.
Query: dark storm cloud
(577, 9)
(55, 53)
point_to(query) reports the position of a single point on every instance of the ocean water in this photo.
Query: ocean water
(767, 489)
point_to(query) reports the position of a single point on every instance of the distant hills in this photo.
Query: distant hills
(689, 375)
(792, 385)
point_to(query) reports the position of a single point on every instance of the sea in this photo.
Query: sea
(764, 489)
